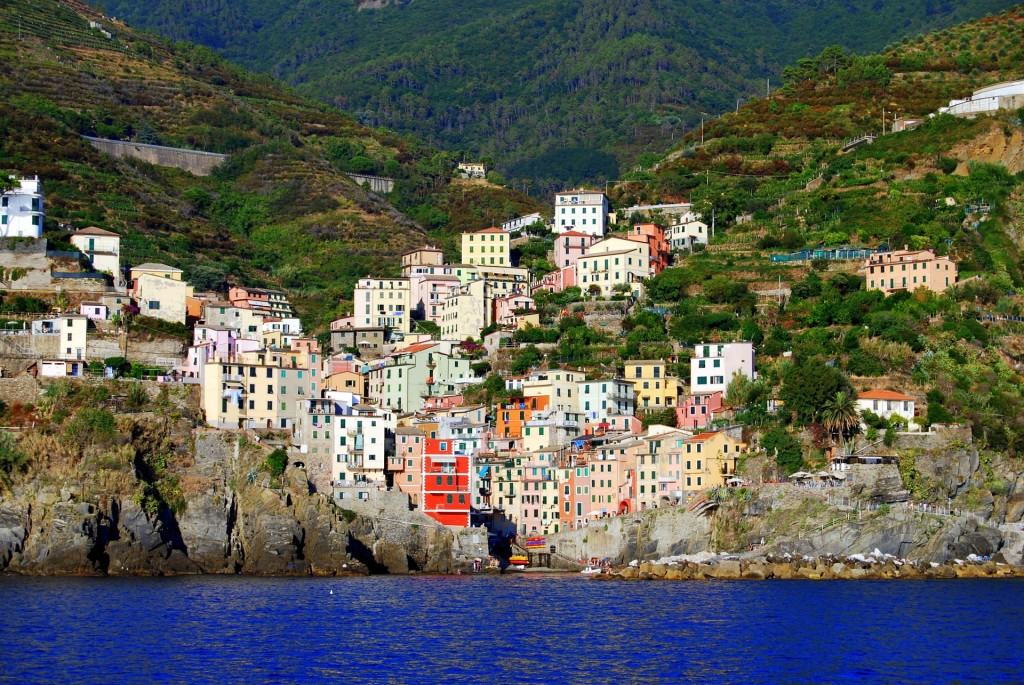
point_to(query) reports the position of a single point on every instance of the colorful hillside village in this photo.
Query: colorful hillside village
(393, 407)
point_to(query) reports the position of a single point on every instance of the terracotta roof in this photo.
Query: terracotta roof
(575, 234)
(94, 230)
(884, 395)
(413, 349)
(492, 229)
(701, 437)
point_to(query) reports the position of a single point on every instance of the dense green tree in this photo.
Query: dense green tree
(784, 449)
(809, 386)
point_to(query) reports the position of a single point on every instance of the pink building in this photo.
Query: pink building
(909, 270)
(698, 411)
(94, 311)
(569, 247)
(406, 466)
(428, 293)
(557, 281)
(506, 308)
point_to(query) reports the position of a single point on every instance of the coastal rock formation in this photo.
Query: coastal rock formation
(231, 519)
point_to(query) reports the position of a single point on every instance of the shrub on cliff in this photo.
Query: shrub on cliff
(276, 461)
(91, 427)
(11, 457)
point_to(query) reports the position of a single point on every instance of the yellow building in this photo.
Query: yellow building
(654, 388)
(709, 459)
(263, 390)
(383, 303)
(346, 381)
(488, 247)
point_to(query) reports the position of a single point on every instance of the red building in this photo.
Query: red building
(446, 483)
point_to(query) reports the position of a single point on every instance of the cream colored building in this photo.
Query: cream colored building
(558, 385)
(614, 262)
(464, 313)
(383, 303)
(489, 247)
(160, 292)
(909, 270)
(262, 390)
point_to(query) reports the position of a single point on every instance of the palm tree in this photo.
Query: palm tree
(840, 416)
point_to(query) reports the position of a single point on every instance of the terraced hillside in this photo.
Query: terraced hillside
(281, 212)
(554, 90)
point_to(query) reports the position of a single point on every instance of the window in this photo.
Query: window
(154, 304)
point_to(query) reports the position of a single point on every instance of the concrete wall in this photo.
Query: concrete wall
(195, 162)
(378, 184)
(24, 388)
(157, 352)
(27, 255)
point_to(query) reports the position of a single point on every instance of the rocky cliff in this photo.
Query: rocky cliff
(169, 500)
(945, 500)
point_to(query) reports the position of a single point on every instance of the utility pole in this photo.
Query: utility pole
(883, 121)
(768, 88)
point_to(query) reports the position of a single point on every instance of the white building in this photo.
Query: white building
(585, 211)
(383, 303)
(601, 399)
(886, 403)
(685, 235)
(472, 170)
(69, 334)
(22, 210)
(103, 248)
(363, 437)
(999, 96)
(714, 364)
(521, 222)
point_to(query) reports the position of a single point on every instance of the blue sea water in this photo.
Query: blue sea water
(512, 629)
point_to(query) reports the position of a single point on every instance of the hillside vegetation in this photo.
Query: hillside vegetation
(280, 212)
(554, 91)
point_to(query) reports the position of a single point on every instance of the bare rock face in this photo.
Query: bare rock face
(14, 523)
(229, 522)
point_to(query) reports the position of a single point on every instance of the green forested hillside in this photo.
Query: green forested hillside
(551, 89)
(280, 212)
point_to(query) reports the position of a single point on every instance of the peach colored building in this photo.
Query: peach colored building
(909, 270)
(657, 243)
(428, 255)
(407, 463)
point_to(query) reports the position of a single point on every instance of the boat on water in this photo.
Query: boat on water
(591, 570)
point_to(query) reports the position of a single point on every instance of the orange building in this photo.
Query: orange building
(909, 270)
(512, 416)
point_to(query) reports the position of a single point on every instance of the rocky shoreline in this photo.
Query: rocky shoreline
(804, 568)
